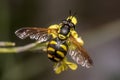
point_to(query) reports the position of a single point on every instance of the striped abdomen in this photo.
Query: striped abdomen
(57, 50)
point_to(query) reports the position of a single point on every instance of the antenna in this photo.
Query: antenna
(70, 12)
(74, 13)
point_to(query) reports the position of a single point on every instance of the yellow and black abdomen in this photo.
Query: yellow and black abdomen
(57, 49)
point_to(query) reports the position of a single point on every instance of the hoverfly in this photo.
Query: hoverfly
(60, 39)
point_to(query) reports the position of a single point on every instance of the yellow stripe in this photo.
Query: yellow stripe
(53, 42)
(51, 49)
(68, 34)
(64, 47)
(50, 56)
(60, 53)
(57, 59)
(53, 35)
(62, 36)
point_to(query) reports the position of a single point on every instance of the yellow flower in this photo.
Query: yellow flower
(64, 65)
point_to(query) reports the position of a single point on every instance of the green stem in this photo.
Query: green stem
(7, 44)
(29, 47)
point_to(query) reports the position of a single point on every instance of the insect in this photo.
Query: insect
(60, 40)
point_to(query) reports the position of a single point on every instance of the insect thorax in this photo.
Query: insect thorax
(57, 49)
(64, 30)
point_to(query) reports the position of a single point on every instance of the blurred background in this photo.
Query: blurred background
(98, 24)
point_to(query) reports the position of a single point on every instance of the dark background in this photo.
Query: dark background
(98, 24)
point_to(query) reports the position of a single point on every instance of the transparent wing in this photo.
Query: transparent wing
(40, 34)
(79, 54)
